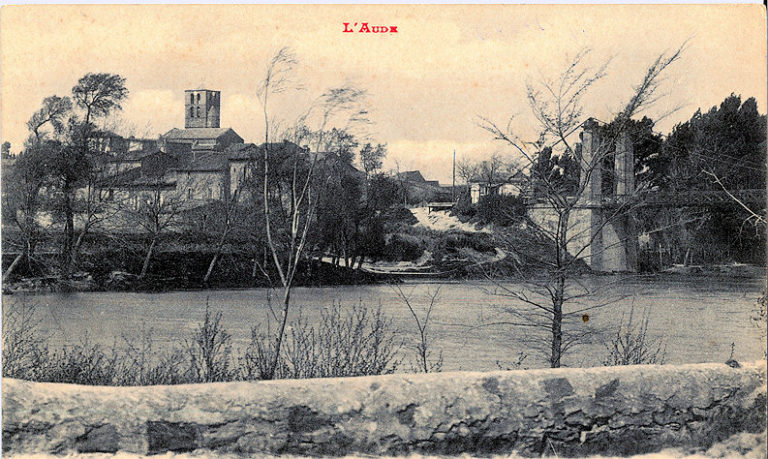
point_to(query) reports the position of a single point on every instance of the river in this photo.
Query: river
(695, 318)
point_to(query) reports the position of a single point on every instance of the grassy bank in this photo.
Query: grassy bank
(351, 341)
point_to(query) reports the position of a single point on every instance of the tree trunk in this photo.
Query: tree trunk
(69, 233)
(145, 266)
(217, 254)
(559, 293)
(210, 268)
(75, 251)
(557, 334)
(10, 269)
(280, 334)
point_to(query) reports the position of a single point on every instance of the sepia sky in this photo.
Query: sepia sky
(427, 84)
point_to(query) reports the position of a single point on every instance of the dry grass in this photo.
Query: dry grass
(347, 342)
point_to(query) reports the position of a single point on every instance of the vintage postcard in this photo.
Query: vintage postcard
(345, 230)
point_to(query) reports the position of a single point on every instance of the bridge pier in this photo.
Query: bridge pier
(612, 235)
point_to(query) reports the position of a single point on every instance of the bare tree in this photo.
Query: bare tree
(425, 359)
(92, 202)
(555, 297)
(23, 189)
(286, 231)
(467, 170)
(24, 186)
(228, 210)
(490, 169)
(755, 217)
(154, 210)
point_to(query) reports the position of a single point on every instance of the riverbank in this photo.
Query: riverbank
(182, 271)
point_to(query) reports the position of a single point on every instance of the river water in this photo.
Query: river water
(695, 318)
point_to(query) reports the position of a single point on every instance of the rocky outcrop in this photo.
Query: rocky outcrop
(573, 412)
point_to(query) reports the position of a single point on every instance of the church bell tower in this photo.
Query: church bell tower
(202, 108)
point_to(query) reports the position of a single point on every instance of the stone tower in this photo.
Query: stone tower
(202, 108)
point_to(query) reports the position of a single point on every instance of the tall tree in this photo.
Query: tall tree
(155, 210)
(99, 94)
(371, 158)
(54, 112)
(720, 150)
(23, 198)
(549, 301)
(77, 163)
(289, 208)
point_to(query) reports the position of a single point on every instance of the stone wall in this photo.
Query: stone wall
(611, 410)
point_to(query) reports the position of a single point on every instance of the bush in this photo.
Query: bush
(210, 350)
(84, 363)
(401, 247)
(464, 210)
(399, 214)
(503, 210)
(352, 342)
(24, 352)
(630, 345)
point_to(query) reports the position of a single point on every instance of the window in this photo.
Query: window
(191, 112)
(198, 112)
(198, 97)
(189, 193)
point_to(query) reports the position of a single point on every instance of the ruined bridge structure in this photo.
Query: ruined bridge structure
(602, 221)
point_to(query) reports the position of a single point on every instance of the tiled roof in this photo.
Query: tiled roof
(196, 133)
(241, 151)
(411, 176)
(203, 162)
(135, 155)
(136, 178)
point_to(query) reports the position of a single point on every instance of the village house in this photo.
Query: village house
(419, 190)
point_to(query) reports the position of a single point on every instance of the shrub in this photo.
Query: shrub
(503, 210)
(85, 363)
(399, 214)
(425, 359)
(24, 352)
(352, 343)
(210, 350)
(402, 247)
(630, 345)
(355, 342)
(143, 365)
(464, 210)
